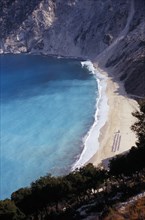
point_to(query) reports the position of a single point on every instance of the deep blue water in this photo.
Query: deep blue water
(47, 107)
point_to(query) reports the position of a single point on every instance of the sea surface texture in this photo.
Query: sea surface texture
(47, 108)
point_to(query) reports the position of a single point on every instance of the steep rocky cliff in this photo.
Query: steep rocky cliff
(108, 31)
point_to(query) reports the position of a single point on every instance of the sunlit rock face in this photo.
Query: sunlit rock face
(108, 31)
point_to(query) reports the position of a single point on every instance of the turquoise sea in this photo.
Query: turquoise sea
(47, 108)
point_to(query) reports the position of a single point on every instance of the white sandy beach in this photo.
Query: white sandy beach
(116, 135)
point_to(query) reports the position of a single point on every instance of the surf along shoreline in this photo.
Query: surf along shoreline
(91, 140)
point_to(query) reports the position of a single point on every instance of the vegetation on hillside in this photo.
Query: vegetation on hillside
(61, 197)
(133, 211)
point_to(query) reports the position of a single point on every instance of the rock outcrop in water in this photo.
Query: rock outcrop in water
(109, 32)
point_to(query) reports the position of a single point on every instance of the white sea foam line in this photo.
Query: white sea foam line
(91, 140)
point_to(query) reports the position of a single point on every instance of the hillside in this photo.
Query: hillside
(110, 32)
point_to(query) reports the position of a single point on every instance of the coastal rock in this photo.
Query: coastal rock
(109, 32)
(108, 38)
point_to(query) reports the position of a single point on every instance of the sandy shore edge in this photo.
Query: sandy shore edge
(116, 135)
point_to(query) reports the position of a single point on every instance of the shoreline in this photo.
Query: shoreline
(91, 139)
(108, 139)
(117, 129)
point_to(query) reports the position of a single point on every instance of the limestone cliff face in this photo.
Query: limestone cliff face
(108, 31)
